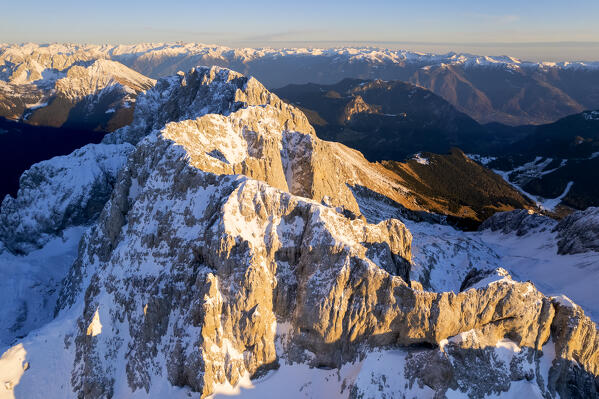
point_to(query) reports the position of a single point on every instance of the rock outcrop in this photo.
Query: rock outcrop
(63, 191)
(579, 232)
(355, 106)
(520, 222)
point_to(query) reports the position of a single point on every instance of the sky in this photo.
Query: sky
(535, 30)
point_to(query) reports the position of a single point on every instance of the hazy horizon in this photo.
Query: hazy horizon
(536, 30)
(534, 52)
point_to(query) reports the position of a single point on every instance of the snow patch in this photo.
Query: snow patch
(505, 350)
(546, 361)
(481, 159)
(420, 159)
(500, 276)
(564, 301)
(470, 338)
(591, 116)
(12, 367)
(535, 169)
(551, 204)
(95, 327)
(226, 389)
(37, 105)
(372, 376)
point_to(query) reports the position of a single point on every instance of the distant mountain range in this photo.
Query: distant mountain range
(393, 120)
(489, 89)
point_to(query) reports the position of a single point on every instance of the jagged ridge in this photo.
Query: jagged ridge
(223, 229)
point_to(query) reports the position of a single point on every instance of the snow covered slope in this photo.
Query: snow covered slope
(61, 192)
(31, 283)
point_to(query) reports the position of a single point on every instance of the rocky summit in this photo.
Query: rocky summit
(219, 247)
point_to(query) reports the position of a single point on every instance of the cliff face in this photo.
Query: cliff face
(232, 244)
(579, 232)
(58, 193)
(575, 234)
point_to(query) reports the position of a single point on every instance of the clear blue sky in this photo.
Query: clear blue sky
(548, 29)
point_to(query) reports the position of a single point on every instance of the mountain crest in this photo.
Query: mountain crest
(200, 91)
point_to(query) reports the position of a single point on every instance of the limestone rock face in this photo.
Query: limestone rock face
(277, 146)
(575, 336)
(224, 232)
(239, 246)
(188, 95)
(579, 232)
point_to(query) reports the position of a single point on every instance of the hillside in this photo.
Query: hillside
(558, 160)
(392, 120)
(456, 186)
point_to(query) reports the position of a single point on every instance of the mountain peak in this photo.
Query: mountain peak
(188, 95)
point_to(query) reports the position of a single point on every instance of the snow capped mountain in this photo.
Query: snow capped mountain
(227, 249)
(81, 81)
(489, 89)
(67, 52)
(90, 94)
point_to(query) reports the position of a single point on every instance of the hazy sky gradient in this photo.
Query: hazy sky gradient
(529, 29)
